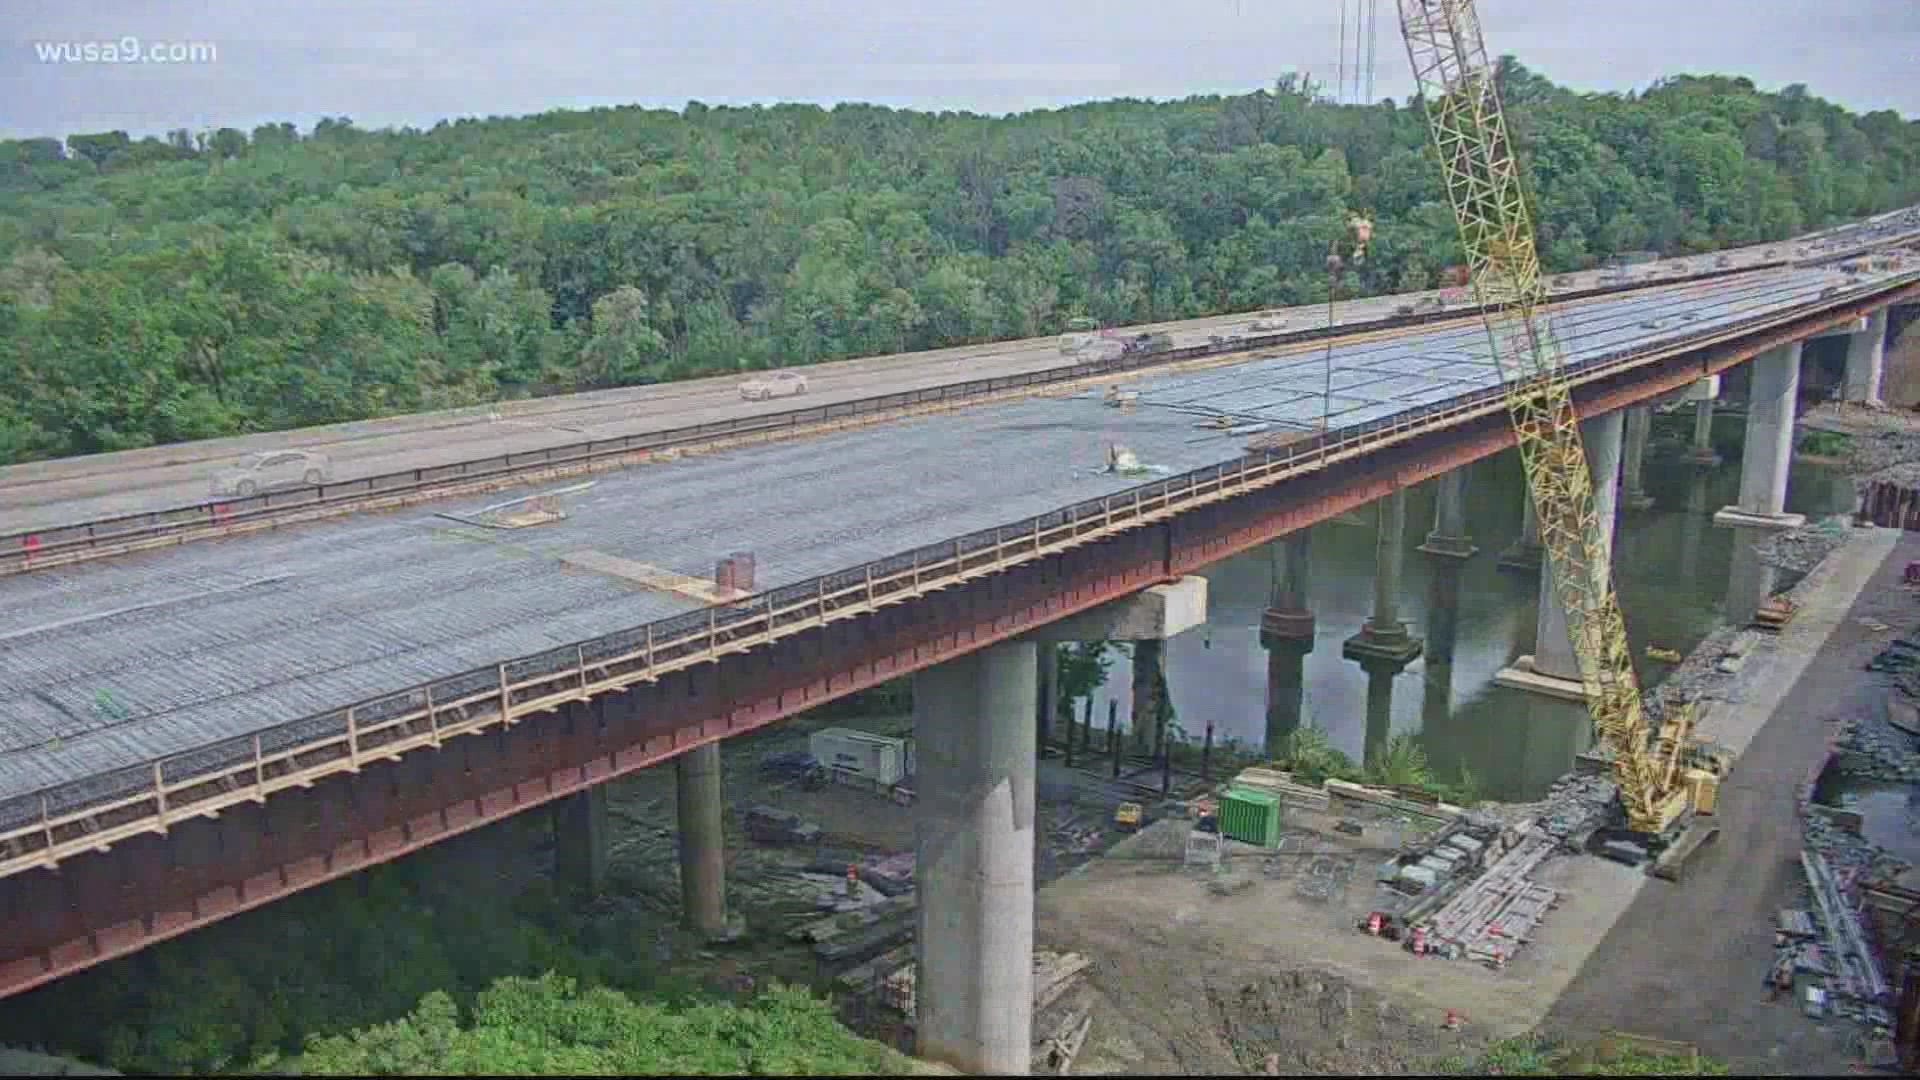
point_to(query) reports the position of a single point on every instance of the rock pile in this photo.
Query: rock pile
(1800, 550)
(1848, 853)
(1875, 751)
(1575, 805)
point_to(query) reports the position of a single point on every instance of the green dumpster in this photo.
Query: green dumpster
(1251, 817)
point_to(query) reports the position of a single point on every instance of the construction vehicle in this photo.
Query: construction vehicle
(1455, 78)
(1128, 816)
(1268, 322)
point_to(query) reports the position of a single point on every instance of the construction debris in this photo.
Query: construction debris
(1842, 964)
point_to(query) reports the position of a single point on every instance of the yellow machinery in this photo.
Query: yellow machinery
(1482, 176)
(1127, 816)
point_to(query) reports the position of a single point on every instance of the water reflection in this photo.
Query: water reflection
(1672, 571)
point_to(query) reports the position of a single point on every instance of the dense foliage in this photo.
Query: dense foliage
(349, 954)
(161, 290)
(549, 1027)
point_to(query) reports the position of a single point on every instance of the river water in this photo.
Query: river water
(1671, 573)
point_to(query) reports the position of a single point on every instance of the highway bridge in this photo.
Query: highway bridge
(202, 710)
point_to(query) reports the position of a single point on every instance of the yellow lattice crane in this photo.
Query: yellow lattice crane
(1482, 176)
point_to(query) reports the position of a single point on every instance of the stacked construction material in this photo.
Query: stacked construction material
(1853, 974)
(1280, 784)
(1490, 919)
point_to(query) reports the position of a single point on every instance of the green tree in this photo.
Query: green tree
(549, 1026)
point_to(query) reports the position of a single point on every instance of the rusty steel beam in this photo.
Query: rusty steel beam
(152, 887)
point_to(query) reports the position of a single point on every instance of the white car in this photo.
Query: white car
(275, 469)
(1268, 322)
(777, 385)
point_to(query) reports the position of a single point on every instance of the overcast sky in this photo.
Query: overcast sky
(390, 62)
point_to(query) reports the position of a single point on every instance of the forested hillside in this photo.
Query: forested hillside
(161, 290)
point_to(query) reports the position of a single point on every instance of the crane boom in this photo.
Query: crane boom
(1482, 178)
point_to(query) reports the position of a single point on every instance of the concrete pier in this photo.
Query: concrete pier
(580, 836)
(1703, 453)
(1768, 450)
(1447, 548)
(1047, 668)
(1639, 427)
(1866, 361)
(974, 844)
(1524, 554)
(1553, 669)
(1383, 648)
(702, 843)
(1286, 632)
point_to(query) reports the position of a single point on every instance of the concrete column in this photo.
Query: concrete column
(1447, 548)
(1703, 452)
(1389, 561)
(1046, 666)
(1553, 668)
(703, 863)
(580, 833)
(1524, 554)
(1149, 665)
(1694, 526)
(1286, 631)
(1383, 648)
(1749, 581)
(1639, 424)
(974, 847)
(1866, 360)
(1768, 449)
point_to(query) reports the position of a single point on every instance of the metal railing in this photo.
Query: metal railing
(40, 828)
(42, 548)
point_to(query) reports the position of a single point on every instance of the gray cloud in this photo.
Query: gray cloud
(401, 62)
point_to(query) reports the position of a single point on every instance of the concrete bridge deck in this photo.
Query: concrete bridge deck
(106, 667)
(46, 495)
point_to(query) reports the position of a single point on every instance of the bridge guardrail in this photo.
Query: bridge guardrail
(39, 828)
(60, 545)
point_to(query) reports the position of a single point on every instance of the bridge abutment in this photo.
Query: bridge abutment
(1553, 668)
(974, 845)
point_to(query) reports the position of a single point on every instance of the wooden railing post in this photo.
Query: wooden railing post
(506, 698)
(713, 628)
(433, 720)
(869, 585)
(580, 659)
(259, 772)
(353, 740)
(46, 826)
(649, 646)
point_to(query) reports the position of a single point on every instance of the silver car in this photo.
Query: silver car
(779, 384)
(272, 470)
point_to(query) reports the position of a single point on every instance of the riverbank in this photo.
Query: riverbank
(1354, 1003)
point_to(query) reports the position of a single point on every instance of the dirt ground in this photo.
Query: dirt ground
(1685, 962)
